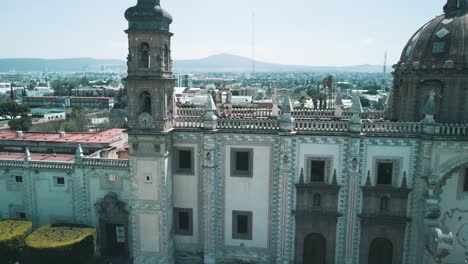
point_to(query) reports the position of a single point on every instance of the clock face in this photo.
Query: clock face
(145, 120)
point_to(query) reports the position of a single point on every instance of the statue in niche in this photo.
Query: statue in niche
(355, 164)
(144, 56)
(160, 61)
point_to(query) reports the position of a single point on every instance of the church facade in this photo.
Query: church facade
(286, 186)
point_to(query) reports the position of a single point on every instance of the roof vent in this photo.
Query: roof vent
(19, 133)
(62, 134)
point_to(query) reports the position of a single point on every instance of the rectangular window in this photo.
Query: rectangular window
(21, 215)
(384, 173)
(241, 225)
(112, 177)
(19, 179)
(317, 170)
(465, 185)
(184, 161)
(60, 180)
(183, 221)
(242, 162)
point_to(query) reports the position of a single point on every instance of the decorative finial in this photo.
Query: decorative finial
(356, 108)
(287, 106)
(368, 181)
(27, 155)
(456, 6)
(335, 178)
(404, 183)
(79, 152)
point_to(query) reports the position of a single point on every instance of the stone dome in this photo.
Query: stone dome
(148, 14)
(434, 66)
(442, 42)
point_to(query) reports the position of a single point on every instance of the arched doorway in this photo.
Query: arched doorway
(112, 230)
(381, 251)
(315, 246)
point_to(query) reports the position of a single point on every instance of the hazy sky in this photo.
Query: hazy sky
(305, 32)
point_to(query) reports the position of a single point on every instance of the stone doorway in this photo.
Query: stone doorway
(381, 251)
(113, 222)
(315, 246)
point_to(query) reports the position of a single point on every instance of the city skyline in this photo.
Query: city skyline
(311, 32)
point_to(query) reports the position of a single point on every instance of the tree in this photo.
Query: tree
(21, 124)
(12, 110)
(364, 101)
(259, 96)
(78, 121)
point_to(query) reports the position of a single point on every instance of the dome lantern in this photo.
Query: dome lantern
(148, 15)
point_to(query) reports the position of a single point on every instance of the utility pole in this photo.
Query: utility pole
(384, 82)
(253, 45)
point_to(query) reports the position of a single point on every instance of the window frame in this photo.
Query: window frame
(56, 181)
(235, 234)
(176, 161)
(397, 161)
(21, 180)
(233, 161)
(327, 171)
(177, 230)
(465, 180)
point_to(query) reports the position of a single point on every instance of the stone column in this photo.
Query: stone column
(211, 199)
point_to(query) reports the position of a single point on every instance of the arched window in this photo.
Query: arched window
(384, 201)
(315, 248)
(381, 251)
(167, 60)
(144, 56)
(317, 200)
(145, 103)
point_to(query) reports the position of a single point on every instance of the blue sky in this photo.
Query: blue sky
(303, 32)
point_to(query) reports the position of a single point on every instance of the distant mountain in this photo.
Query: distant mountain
(233, 63)
(215, 63)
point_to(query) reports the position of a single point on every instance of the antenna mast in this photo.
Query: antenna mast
(384, 82)
(253, 44)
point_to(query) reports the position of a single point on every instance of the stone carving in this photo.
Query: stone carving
(145, 120)
(111, 208)
(441, 242)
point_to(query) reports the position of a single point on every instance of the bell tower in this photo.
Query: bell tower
(149, 81)
(151, 121)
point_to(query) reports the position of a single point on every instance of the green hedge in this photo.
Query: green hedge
(12, 236)
(59, 244)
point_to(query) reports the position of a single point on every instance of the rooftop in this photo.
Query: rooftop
(105, 137)
(37, 157)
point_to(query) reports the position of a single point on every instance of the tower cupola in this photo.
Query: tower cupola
(148, 14)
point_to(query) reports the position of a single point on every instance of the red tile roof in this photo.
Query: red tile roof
(105, 137)
(38, 157)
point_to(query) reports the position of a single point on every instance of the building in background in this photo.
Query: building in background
(262, 185)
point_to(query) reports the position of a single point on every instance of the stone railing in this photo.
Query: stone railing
(189, 122)
(251, 112)
(451, 130)
(391, 127)
(248, 124)
(186, 112)
(106, 162)
(322, 126)
(309, 114)
(312, 126)
(12, 163)
(267, 113)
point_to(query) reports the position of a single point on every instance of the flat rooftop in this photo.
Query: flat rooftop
(105, 137)
(38, 157)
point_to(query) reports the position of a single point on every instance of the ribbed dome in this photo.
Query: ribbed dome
(441, 43)
(148, 14)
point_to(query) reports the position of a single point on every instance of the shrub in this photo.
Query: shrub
(58, 244)
(12, 236)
